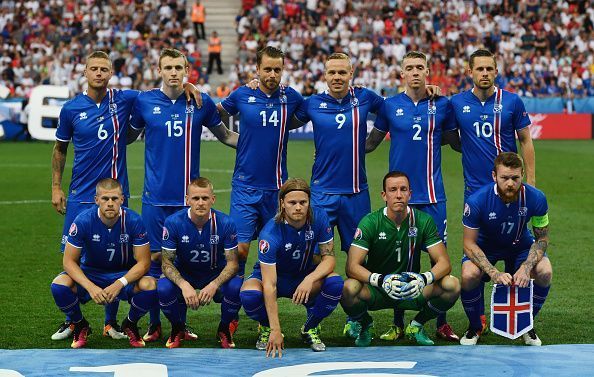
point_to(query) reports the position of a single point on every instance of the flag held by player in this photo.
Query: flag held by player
(511, 310)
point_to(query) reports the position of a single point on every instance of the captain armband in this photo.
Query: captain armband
(540, 221)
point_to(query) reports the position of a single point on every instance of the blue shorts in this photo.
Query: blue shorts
(285, 285)
(344, 211)
(512, 261)
(103, 280)
(230, 288)
(250, 209)
(74, 209)
(153, 218)
(438, 212)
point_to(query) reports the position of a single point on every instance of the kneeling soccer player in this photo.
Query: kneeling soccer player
(199, 252)
(496, 228)
(383, 266)
(106, 258)
(287, 267)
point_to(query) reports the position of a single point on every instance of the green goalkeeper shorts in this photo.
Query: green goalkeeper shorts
(380, 300)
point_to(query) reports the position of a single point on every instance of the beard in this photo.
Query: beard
(509, 196)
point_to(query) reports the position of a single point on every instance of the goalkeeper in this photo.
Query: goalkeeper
(384, 264)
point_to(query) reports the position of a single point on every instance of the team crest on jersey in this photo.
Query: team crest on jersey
(354, 102)
(283, 99)
(358, 234)
(492, 216)
(190, 109)
(156, 110)
(466, 109)
(323, 105)
(214, 239)
(82, 116)
(165, 234)
(251, 99)
(185, 239)
(399, 112)
(412, 231)
(309, 235)
(73, 230)
(124, 238)
(382, 236)
(497, 108)
(432, 110)
(522, 211)
(263, 246)
(96, 238)
(466, 210)
(113, 108)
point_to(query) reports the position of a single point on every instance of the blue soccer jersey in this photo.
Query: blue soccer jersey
(98, 133)
(291, 250)
(487, 130)
(415, 136)
(107, 249)
(340, 130)
(200, 254)
(261, 160)
(172, 149)
(503, 229)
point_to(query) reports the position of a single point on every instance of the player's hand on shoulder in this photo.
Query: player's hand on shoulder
(276, 344)
(253, 84)
(433, 91)
(59, 200)
(193, 92)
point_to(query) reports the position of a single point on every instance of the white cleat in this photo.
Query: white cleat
(531, 339)
(470, 338)
(64, 331)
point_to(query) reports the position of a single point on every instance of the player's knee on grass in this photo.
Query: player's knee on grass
(543, 272)
(350, 292)
(146, 283)
(470, 275)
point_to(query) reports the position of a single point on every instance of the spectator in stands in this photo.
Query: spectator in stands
(214, 52)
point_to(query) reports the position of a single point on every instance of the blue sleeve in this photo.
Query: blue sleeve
(301, 112)
(170, 235)
(139, 235)
(230, 238)
(376, 102)
(130, 95)
(267, 247)
(65, 129)
(136, 120)
(381, 121)
(471, 216)
(449, 123)
(212, 118)
(77, 231)
(520, 116)
(541, 208)
(230, 104)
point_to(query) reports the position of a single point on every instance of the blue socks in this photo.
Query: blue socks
(253, 304)
(141, 303)
(231, 302)
(325, 302)
(111, 311)
(472, 301)
(67, 302)
(539, 295)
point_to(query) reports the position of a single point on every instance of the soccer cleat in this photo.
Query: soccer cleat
(176, 337)
(189, 334)
(312, 337)
(80, 333)
(131, 330)
(485, 328)
(225, 337)
(64, 331)
(531, 339)
(112, 330)
(418, 334)
(365, 335)
(153, 333)
(233, 325)
(352, 329)
(263, 336)
(445, 332)
(470, 337)
(393, 333)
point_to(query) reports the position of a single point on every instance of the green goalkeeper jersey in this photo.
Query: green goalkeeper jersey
(391, 249)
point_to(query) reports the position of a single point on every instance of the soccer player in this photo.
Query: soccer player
(289, 265)
(199, 253)
(339, 118)
(386, 250)
(105, 258)
(489, 118)
(496, 229)
(96, 123)
(261, 162)
(173, 127)
(418, 126)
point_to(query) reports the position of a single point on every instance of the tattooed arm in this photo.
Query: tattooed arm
(537, 250)
(374, 139)
(172, 273)
(207, 293)
(478, 257)
(323, 269)
(58, 163)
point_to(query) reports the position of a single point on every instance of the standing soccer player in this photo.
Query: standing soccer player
(489, 118)
(289, 265)
(418, 126)
(173, 128)
(339, 117)
(495, 222)
(96, 122)
(199, 253)
(261, 162)
(384, 262)
(106, 250)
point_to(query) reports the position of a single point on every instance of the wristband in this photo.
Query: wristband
(428, 277)
(123, 280)
(376, 279)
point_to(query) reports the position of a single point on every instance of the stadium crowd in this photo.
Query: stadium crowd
(544, 48)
